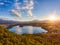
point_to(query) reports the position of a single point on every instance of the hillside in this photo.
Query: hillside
(9, 38)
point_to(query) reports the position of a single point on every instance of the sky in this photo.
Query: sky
(28, 9)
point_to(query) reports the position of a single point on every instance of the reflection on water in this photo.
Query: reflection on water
(30, 30)
(18, 30)
(27, 30)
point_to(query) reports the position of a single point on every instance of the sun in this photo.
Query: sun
(52, 18)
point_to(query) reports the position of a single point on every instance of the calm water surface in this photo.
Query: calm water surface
(27, 30)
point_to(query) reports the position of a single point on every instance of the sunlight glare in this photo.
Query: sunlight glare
(52, 18)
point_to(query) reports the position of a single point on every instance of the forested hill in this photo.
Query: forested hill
(9, 38)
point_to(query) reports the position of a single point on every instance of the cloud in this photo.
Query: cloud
(17, 7)
(1, 3)
(25, 0)
(29, 13)
(16, 0)
(16, 13)
(27, 5)
(31, 7)
(31, 3)
(37, 2)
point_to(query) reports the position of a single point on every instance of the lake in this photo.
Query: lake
(27, 30)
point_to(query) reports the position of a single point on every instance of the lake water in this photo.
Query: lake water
(27, 30)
